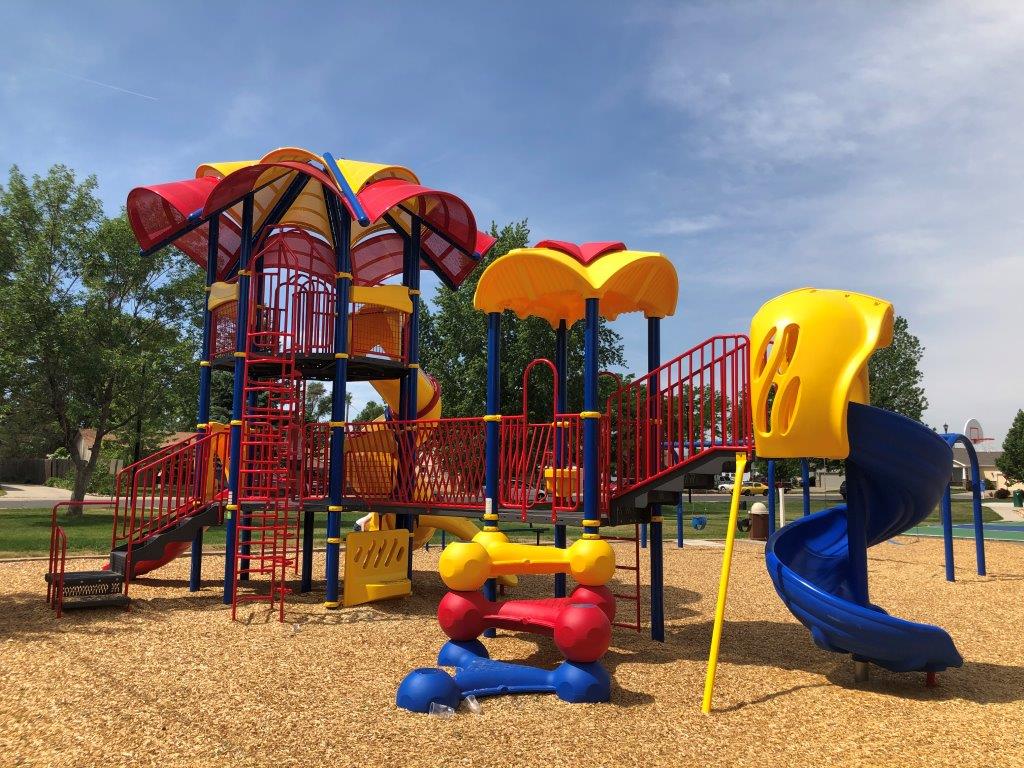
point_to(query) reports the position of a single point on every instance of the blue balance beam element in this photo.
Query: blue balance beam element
(476, 674)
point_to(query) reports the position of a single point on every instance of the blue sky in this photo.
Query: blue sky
(763, 146)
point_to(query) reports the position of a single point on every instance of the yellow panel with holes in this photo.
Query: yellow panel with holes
(376, 566)
(809, 360)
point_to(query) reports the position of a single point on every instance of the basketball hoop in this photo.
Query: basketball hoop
(974, 432)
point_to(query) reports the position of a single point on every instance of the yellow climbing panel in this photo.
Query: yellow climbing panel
(810, 350)
(376, 566)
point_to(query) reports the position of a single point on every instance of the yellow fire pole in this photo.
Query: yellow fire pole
(723, 583)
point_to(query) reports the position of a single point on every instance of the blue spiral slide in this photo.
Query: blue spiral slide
(896, 473)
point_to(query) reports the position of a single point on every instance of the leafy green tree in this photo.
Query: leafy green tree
(91, 334)
(370, 411)
(453, 347)
(1011, 463)
(895, 374)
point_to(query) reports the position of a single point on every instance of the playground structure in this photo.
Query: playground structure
(313, 273)
(809, 391)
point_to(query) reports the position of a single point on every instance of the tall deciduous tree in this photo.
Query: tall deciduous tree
(453, 347)
(92, 334)
(1011, 463)
(895, 374)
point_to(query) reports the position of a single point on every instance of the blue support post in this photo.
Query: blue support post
(341, 233)
(205, 380)
(306, 577)
(805, 485)
(591, 421)
(772, 500)
(195, 569)
(679, 520)
(562, 367)
(657, 543)
(237, 399)
(947, 532)
(409, 405)
(977, 482)
(857, 543)
(491, 427)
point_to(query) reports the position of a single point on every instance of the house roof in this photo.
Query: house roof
(985, 458)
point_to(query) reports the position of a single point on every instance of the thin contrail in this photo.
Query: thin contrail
(103, 85)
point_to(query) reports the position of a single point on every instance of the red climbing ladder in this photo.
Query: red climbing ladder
(629, 591)
(265, 542)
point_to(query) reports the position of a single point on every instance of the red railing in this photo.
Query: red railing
(315, 453)
(306, 317)
(541, 464)
(59, 553)
(152, 495)
(425, 464)
(694, 404)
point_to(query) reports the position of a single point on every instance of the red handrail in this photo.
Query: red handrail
(692, 405)
(59, 552)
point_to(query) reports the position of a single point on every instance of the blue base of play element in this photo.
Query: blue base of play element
(896, 473)
(476, 674)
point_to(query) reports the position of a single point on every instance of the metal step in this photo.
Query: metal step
(106, 601)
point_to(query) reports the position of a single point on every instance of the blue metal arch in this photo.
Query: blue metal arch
(977, 482)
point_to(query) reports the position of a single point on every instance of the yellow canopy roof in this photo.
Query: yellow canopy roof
(549, 283)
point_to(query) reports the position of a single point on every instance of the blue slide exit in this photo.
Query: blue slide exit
(896, 473)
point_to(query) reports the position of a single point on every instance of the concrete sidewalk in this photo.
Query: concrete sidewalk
(27, 496)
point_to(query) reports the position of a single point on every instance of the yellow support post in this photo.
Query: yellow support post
(723, 583)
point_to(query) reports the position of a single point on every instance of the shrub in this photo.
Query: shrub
(1003, 493)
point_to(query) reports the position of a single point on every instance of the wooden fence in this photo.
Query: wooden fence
(33, 471)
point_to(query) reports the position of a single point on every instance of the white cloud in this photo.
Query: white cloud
(685, 225)
(873, 148)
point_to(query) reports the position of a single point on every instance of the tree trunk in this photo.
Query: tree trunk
(83, 474)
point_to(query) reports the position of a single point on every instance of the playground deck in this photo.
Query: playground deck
(174, 682)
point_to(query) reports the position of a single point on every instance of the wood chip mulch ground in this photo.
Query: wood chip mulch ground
(174, 682)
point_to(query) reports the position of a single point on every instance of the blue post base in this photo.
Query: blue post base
(947, 533)
(333, 560)
(476, 674)
(306, 578)
(491, 593)
(195, 570)
(560, 542)
(657, 583)
(679, 521)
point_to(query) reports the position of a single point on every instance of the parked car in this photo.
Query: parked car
(785, 485)
(753, 488)
(725, 487)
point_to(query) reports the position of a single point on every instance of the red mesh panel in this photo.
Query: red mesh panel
(444, 212)
(376, 259)
(156, 212)
(298, 250)
(239, 183)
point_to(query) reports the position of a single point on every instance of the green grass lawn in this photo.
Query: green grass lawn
(26, 532)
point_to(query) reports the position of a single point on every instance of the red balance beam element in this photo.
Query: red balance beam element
(580, 624)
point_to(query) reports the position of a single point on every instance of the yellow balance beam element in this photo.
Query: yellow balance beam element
(723, 582)
(467, 566)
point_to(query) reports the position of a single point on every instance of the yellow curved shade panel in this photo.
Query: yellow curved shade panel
(810, 350)
(543, 282)
(392, 296)
(221, 293)
(359, 173)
